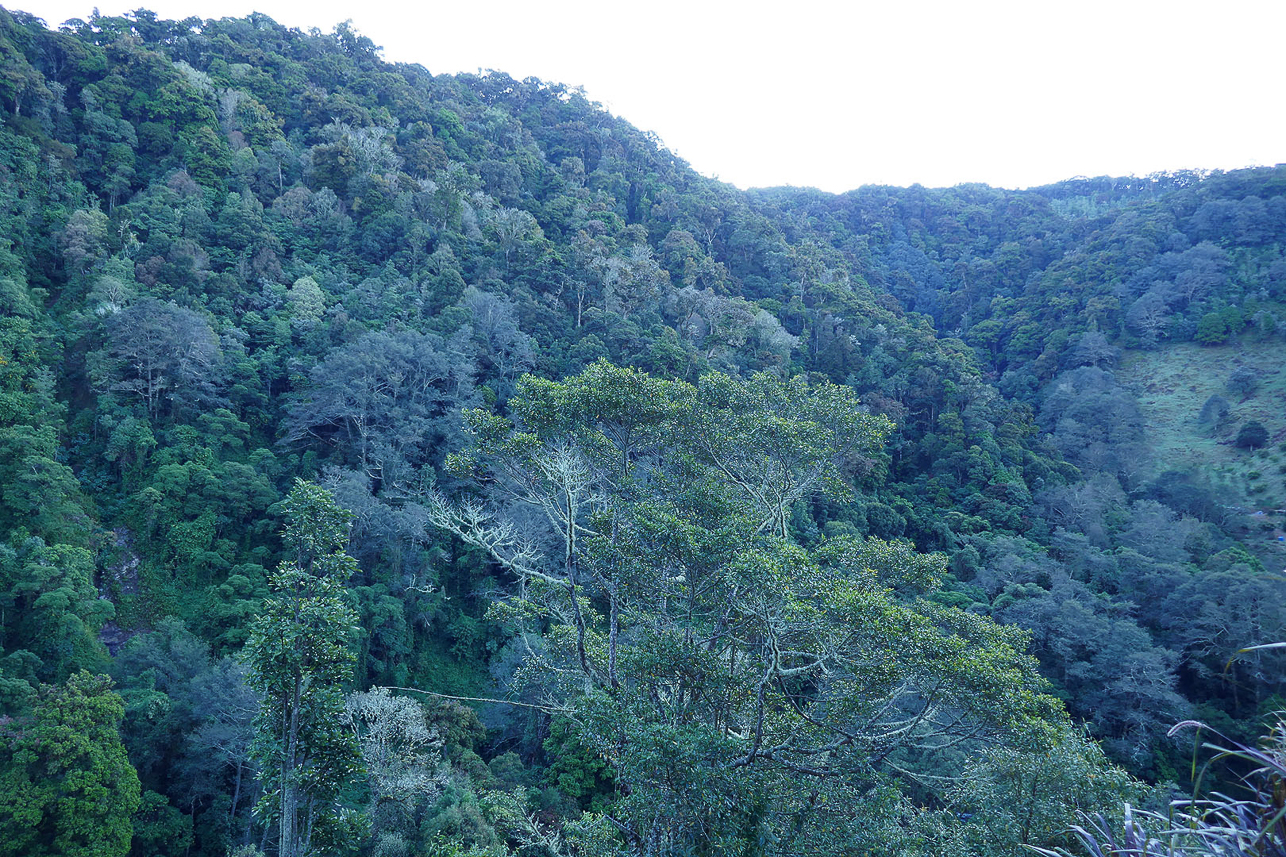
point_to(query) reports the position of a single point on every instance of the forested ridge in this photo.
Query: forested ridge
(399, 464)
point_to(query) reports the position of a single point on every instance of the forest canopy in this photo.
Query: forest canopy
(408, 464)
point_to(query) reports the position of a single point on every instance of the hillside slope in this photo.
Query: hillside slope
(234, 255)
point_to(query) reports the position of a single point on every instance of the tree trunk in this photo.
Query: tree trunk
(289, 797)
(613, 628)
(236, 792)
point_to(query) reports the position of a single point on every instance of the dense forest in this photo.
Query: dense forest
(399, 464)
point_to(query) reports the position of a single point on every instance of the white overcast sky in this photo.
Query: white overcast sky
(1012, 93)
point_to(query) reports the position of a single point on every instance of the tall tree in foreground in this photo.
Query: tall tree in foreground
(301, 655)
(750, 695)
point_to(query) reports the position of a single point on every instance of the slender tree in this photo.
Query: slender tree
(301, 654)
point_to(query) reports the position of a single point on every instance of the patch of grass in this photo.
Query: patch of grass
(1173, 383)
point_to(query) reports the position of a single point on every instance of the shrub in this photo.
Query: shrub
(1212, 329)
(1252, 435)
(1243, 382)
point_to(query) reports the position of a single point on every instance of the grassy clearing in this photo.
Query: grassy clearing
(1172, 385)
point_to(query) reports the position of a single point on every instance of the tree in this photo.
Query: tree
(514, 230)
(66, 786)
(778, 443)
(734, 682)
(1021, 798)
(300, 654)
(1214, 411)
(402, 754)
(1252, 435)
(161, 352)
(1243, 381)
(501, 350)
(1150, 315)
(54, 610)
(1096, 423)
(187, 728)
(632, 282)
(1212, 329)
(1202, 269)
(1117, 680)
(307, 303)
(84, 240)
(1212, 615)
(1092, 349)
(37, 490)
(388, 398)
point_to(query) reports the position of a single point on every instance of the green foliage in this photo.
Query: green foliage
(1212, 329)
(300, 656)
(233, 254)
(715, 663)
(1252, 435)
(576, 770)
(159, 829)
(1021, 797)
(66, 787)
(40, 493)
(53, 610)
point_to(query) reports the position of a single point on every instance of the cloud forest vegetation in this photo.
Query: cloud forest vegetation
(405, 464)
